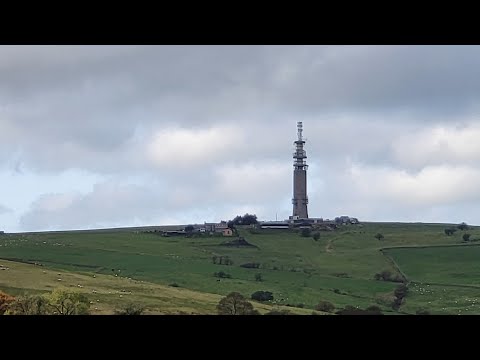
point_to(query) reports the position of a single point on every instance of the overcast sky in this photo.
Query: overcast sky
(107, 136)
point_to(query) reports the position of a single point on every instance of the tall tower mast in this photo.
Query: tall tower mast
(300, 199)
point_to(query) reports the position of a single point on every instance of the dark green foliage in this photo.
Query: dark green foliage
(222, 275)
(463, 226)
(450, 231)
(262, 296)
(306, 232)
(387, 275)
(189, 228)
(131, 309)
(258, 277)
(325, 306)
(316, 236)
(466, 237)
(250, 265)
(246, 219)
(235, 304)
(379, 236)
(401, 291)
(174, 285)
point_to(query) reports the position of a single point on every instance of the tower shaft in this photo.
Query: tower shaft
(300, 199)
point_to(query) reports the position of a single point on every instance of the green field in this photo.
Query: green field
(339, 268)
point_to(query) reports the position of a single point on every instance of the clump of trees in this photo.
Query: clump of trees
(400, 294)
(247, 219)
(58, 302)
(235, 304)
(222, 260)
(262, 296)
(130, 309)
(325, 306)
(222, 275)
(250, 265)
(463, 226)
(450, 231)
(387, 275)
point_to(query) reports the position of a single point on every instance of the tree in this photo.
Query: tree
(316, 236)
(189, 228)
(5, 301)
(463, 226)
(131, 309)
(64, 302)
(466, 237)
(214, 259)
(379, 236)
(262, 296)
(450, 231)
(306, 232)
(29, 305)
(235, 304)
(401, 291)
(325, 306)
(258, 277)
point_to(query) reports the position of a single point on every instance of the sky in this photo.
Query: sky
(111, 136)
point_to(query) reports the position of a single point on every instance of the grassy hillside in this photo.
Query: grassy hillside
(339, 268)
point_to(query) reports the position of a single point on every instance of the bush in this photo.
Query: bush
(262, 296)
(387, 275)
(466, 237)
(258, 277)
(222, 275)
(316, 236)
(379, 236)
(131, 309)
(306, 232)
(235, 304)
(401, 291)
(174, 285)
(325, 306)
(463, 226)
(450, 231)
(250, 265)
(29, 305)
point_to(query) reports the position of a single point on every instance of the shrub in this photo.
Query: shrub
(316, 236)
(463, 226)
(5, 301)
(262, 296)
(250, 265)
(258, 277)
(174, 285)
(379, 236)
(222, 275)
(325, 306)
(306, 232)
(466, 237)
(450, 231)
(131, 309)
(235, 304)
(29, 305)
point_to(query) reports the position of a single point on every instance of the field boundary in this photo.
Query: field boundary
(395, 265)
(424, 246)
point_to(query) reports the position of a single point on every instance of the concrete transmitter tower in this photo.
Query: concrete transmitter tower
(300, 199)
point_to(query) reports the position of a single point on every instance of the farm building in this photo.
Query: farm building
(274, 225)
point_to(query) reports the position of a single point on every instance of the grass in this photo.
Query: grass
(339, 268)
